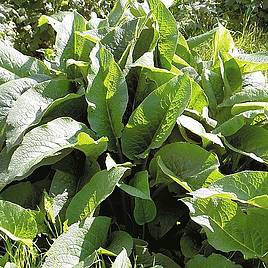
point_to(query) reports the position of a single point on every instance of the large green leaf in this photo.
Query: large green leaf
(80, 241)
(187, 164)
(48, 144)
(145, 209)
(17, 223)
(21, 193)
(234, 124)
(14, 64)
(107, 99)
(168, 32)
(153, 120)
(214, 260)
(247, 187)
(213, 87)
(31, 106)
(10, 92)
(228, 228)
(117, 12)
(199, 39)
(101, 185)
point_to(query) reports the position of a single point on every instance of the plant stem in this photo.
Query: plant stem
(119, 151)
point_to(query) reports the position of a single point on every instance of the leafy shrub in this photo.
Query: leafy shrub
(125, 147)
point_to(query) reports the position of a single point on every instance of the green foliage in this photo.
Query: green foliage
(126, 148)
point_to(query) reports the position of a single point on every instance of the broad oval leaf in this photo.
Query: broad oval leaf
(187, 164)
(78, 243)
(153, 120)
(120, 240)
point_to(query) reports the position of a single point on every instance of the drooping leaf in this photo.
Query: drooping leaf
(79, 242)
(252, 140)
(228, 228)
(197, 128)
(14, 64)
(21, 193)
(11, 91)
(107, 98)
(210, 262)
(17, 223)
(253, 62)
(30, 107)
(58, 138)
(234, 124)
(199, 39)
(101, 185)
(247, 187)
(247, 94)
(153, 120)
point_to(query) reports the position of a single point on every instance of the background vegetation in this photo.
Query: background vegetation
(248, 20)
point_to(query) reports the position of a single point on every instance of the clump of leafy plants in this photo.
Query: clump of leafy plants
(126, 149)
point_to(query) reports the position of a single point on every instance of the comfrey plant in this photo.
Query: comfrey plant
(128, 150)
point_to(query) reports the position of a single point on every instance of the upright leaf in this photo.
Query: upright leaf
(223, 42)
(69, 44)
(168, 32)
(145, 209)
(101, 185)
(122, 260)
(107, 99)
(153, 120)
